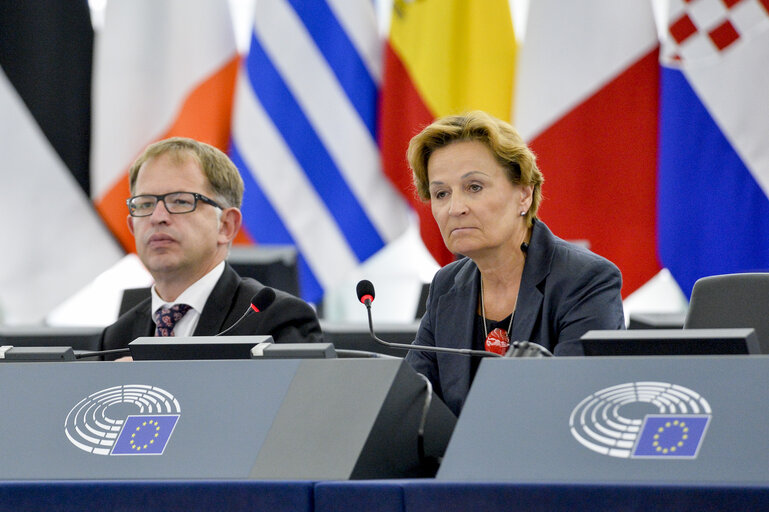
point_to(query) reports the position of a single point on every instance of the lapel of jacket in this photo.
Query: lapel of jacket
(456, 309)
(219, 304)
(143, 324)
(456, 314)
(535, 271)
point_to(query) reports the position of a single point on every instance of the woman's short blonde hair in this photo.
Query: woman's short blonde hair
(500, 137)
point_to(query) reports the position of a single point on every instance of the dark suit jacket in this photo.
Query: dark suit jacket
(565, 291)
(288, 319)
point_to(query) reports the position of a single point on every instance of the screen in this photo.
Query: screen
(79, 338)
(194, 347)
(659, 342)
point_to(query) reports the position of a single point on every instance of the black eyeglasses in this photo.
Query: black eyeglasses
(175, 202)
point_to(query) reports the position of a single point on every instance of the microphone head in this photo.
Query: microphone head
(365, 291)
(263, 299)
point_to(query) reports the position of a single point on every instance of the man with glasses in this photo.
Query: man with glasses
(184, 213)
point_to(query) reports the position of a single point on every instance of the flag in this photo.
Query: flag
(53, 241)
(304, 138)
(442, 57)
(587, 102)
(714, 158)
(161, 69)
(145, 434)
(671, 435)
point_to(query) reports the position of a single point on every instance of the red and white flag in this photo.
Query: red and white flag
(587, 102)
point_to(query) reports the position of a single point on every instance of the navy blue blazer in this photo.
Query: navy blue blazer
(288, 319)
(565, 291)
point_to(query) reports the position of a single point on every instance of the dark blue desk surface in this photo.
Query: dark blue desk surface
(426, 496)
(60, 496)
(369, 496)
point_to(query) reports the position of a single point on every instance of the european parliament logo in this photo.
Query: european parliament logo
(642, 420)
(132, 419)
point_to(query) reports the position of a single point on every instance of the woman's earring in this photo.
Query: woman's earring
(523, 213)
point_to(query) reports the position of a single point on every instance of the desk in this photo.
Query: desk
(370, 496)
(427, 496)
(734, 408)
(288, 419)
(187, 496)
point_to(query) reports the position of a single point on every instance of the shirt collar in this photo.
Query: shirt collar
(196, 295)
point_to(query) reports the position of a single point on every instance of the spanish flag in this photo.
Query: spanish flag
(442, 57)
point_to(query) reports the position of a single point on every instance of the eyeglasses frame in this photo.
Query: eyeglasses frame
(162, 197)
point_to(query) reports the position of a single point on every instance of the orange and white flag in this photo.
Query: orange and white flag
(161, 69)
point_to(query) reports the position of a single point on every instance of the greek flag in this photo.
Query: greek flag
(304, 136)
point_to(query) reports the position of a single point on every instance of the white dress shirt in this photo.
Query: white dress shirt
(195, 296)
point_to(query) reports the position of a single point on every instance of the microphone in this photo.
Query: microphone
(99, 353)
(259, 302)
(527, 349)
(365, 291)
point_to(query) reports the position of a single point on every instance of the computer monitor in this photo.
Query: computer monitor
(79, 338)
(152, 348)
(656, 320)
(273, 265)
(666, 342)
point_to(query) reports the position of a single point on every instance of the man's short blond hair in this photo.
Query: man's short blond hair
(222, 175)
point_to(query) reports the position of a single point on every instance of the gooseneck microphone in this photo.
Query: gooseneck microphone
(99, 353)
(365, 291)
(259, 302)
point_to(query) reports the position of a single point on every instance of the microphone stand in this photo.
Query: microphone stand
(423, 348)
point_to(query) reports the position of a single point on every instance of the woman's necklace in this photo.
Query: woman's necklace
(497, 341)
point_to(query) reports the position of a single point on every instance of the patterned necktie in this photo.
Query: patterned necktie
(166, 318)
